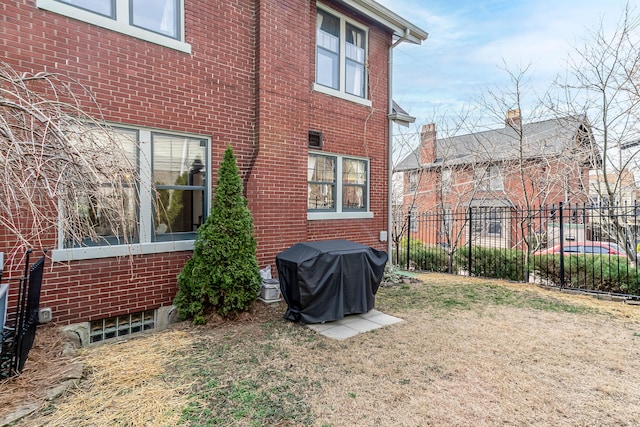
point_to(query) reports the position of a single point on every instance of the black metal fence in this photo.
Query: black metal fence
(587, 247)
(19, 329)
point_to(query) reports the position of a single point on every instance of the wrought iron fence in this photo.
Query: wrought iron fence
(19, 329)
(587, 247)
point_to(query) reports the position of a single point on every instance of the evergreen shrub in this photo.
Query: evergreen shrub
(223, 274)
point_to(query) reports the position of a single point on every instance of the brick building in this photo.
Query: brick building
(521, 165)
(300, 90)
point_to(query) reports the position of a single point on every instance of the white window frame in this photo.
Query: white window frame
(342, 60)
(496, 180)
(146, 244)
(413, 218)
(490, 179)
(339, 212)
(120, 23)
(447, 180)
(413, 181)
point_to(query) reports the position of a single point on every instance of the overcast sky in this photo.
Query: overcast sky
(470, 40)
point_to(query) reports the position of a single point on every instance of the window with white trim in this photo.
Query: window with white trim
(413, 181)
(119, 192)
(337, 184)
(413, 219)
(171, 201)
(446, 180)
(489, 178)
(179, 166)
(106, 8)
(157, 21)
(341, 52)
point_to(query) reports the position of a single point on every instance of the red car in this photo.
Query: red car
(593, 248)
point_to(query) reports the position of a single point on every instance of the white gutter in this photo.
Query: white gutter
(386, 17)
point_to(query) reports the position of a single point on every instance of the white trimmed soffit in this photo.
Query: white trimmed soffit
(400, 26)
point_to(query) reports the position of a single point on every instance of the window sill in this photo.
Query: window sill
(317, 216)
(342, 95)
(111, 24)
(78, 254)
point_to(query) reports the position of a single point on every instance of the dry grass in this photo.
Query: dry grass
(469, 352)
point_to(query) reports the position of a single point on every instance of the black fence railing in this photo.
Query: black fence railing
(19, 328)
(592, 248)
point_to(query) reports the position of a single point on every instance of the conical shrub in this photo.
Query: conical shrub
(223, 273)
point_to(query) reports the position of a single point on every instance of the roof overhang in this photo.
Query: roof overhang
(401, 117)
(378, 13)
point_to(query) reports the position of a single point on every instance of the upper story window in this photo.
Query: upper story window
(446, 180)
(341, 52)
(489, 178)
(413, 181)
(157, 21)
(338, 187)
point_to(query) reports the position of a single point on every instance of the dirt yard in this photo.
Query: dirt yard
(469, 352)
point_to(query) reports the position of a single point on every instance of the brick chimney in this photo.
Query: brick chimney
(428, 144)
(512, 118)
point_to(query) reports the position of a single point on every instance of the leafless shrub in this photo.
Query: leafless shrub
(64, 175)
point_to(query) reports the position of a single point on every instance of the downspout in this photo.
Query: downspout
(407, 32)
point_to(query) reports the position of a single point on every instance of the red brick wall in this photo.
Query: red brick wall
(248, 83)
(288, 109)
(95, 289)
(429, 195)
(211, 92)
(353, 129)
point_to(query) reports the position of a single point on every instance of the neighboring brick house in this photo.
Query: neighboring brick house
(522, 165)
(622, 188)
(300, 90)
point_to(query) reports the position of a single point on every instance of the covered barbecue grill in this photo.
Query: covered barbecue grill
(327, 280)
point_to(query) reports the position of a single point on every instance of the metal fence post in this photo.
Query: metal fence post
(470, 236)
(561, 209)
(408, 237)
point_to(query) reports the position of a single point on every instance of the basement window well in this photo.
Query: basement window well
(119, 326)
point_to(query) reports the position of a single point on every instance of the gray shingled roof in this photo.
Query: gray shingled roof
(546, 138)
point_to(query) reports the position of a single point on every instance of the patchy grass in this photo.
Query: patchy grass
(469, 352)
(467, 294)
(233, 379)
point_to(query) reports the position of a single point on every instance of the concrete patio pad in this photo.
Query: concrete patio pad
(354, 324)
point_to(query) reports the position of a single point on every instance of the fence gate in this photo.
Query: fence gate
(19, 329)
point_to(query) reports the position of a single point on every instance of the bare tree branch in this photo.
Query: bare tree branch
(62, 171)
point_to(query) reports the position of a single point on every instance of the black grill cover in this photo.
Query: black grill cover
(327, 280)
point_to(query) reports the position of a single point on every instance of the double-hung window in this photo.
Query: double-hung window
(338, 187)
(162, 210)
(413, 181)
(446, 180)
(341, 52)
(178, 174)
(489, 178)
(157, 21)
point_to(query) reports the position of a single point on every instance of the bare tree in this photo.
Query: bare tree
(544, 157)
(603, 81)
(524, 162)
(432, 178)
(63, 172)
